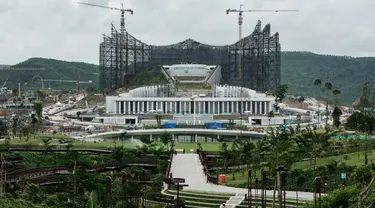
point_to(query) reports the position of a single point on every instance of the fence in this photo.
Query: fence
(168, 170)
(210, 178)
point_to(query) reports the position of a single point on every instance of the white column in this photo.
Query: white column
(128, 106)
(237, 108)
(175, 107)
(269, 106)
(123, 105)
(199, 107)
(138, 110)
(242, 107)
(184, 107)
(256, 107)
(246, 106)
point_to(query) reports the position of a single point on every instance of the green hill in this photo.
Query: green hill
(300, 69)
(54, 69)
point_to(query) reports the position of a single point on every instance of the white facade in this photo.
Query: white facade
(223, 100)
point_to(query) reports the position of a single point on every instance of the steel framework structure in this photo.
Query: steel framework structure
(259, 53)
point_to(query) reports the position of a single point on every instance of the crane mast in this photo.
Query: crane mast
(240, 12)
(122, 32)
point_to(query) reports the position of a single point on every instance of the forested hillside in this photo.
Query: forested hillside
(298, 70)
(55, 69)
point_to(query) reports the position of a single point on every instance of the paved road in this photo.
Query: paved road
(189, 167)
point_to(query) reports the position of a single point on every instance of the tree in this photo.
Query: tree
(158, 120)
(14, 92)
(38, 107)
(3, 129)
(362, 174)
(166, 138)
(301, 99)
(225, 153)
(40, 94)
(279, 95)
(26, 131)
(329, 87)
(361, 121)
(78, 114)
(15, 121)
(336, 114)
(275, 148)
(248, 153)
(46, 143)
(367, 97)
(313, 142)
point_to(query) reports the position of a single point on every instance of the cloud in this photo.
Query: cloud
(66, 30)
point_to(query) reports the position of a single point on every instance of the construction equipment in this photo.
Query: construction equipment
(240, 21)
(4, 89)
(122, 30)
(114, 8)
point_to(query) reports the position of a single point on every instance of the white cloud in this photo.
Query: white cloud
(65, 30)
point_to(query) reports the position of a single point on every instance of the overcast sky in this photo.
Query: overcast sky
(63, 29)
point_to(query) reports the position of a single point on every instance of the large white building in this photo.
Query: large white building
(221, 100)
(212, 99)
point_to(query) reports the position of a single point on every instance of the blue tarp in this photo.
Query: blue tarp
(169, 125)
(213, 125)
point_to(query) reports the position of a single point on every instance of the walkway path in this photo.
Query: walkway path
(188, 166)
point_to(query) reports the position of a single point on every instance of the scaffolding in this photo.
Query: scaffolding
(258, 53)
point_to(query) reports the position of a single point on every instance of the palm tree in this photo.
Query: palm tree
(328, 86)
(46, 144)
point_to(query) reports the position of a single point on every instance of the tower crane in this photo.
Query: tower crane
(240, 11)
(122, 30)
(114, 8)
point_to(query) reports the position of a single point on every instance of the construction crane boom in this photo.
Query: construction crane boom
(107, 7)
(5, 82)
(240, 21)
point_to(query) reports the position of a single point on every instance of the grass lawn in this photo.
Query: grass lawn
(351, 159)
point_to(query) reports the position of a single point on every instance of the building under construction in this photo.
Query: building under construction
(252, 62)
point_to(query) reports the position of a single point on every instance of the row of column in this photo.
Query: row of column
(189, 107)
